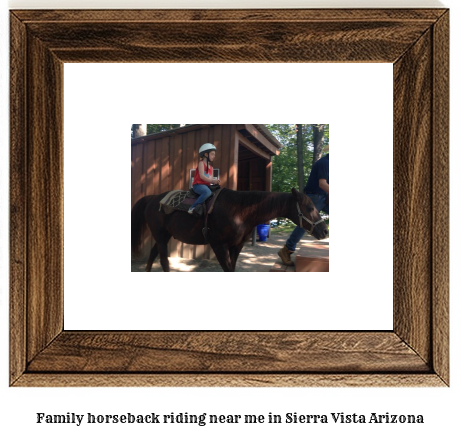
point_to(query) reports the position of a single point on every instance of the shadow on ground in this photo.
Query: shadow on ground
(257, 258)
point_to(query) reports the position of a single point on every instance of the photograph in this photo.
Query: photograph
(230, 197)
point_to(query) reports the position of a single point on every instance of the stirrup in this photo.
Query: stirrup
(206, 232)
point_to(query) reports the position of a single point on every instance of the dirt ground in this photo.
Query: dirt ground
(258, 258)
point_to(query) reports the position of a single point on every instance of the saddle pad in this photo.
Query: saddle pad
(182, 200)
(174, 201)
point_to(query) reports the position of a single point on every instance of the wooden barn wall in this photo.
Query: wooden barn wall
(161, 165)
(252, 175)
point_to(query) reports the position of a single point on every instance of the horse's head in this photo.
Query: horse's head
(308, 217)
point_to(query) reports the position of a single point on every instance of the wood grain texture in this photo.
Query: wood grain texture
(360, 41)
(440, 209)
(413, 196)
(230, 380)
(247, 15)
(414, 354)
(236, 352)
(45, 196)
(229, 35)
(18, 211)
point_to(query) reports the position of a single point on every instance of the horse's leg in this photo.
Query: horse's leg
(152, 256)
(163, 251)
(234, 254)
(223, 256)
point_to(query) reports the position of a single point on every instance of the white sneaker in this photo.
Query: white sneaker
(191, 210)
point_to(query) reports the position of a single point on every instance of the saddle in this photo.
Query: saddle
(183, 200)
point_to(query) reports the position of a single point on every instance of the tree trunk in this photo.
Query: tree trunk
(299, 139)
(317, 134)
(139, 130)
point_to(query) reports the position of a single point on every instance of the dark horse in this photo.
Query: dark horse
(231, 222)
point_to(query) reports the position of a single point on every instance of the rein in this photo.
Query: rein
(302, 217)
(206, 230)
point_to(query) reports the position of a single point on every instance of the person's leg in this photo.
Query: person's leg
(295, 237)
(298, 233)
(288, 249)
(204, 193)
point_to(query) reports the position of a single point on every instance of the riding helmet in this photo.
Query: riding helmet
(206, 148)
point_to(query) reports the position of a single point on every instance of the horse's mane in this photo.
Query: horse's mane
(244, 199)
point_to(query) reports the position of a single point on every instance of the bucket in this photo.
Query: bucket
(263, 231)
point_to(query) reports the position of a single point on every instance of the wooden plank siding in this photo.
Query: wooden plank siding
(164, 151)
(150, 167)
(174, 247)
(156, 167)
(223, 152)
(162, 162)
(233, 158)
(269, 176)
(137, 163)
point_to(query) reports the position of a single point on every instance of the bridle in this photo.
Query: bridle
(302, 217)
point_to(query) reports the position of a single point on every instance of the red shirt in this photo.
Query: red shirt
(198, 180)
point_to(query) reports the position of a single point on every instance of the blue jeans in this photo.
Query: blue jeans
(320, 203)
(203, 191)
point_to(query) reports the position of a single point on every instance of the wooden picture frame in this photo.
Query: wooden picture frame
(414, 353)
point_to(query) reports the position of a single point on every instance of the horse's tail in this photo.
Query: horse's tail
(138, 224)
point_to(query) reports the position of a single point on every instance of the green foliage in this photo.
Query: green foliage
(326, 132)
(284, 172)
(155, 128)
(284, 169)
(284, 166)
(282, 226)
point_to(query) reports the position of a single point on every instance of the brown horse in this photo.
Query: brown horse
(234, 216)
